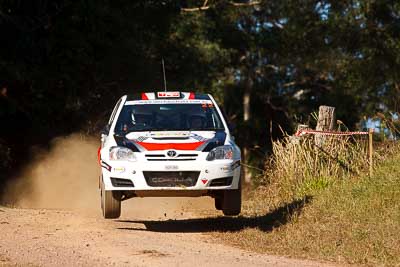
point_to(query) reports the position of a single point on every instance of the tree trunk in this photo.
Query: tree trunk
(246, 105)
(326, 122)
(246, 119)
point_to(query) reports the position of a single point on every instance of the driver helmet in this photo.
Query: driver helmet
(140, 116)
(197, 121)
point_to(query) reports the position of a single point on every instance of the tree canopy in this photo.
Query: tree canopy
(64, 63)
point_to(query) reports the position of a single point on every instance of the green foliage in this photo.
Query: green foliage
(313, 186)
(73, 59)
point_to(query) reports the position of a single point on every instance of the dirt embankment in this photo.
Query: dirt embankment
(56, 221)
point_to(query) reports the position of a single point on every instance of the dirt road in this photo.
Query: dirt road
(59, 223)
(73, 238)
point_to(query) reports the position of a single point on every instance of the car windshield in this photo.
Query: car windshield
(168, 117)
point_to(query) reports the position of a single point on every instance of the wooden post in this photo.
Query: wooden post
(246, 119)
(326, 122)
(370, 150)
(302, 127)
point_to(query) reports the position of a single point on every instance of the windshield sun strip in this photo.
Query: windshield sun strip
(169, 101)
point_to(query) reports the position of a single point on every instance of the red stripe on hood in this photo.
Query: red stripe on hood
(164, 146)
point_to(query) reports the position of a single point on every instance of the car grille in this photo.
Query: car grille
(179, 157)
(171, 179)
(225, 181)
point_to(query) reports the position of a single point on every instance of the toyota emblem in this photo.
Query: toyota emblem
(171, 153)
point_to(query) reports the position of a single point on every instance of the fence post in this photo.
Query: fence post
(370, 149)
(326, 122)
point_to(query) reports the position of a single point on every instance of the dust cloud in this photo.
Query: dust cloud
(66, 177)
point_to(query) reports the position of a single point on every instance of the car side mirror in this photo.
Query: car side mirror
(231, 127)
(105, 130)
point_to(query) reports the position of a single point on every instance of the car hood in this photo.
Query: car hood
(179, 140)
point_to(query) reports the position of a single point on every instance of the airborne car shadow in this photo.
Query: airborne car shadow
(266, 222)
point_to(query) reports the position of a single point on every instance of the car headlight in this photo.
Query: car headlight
(121, 153)
(220, 152)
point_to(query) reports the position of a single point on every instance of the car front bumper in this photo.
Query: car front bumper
(197, 175)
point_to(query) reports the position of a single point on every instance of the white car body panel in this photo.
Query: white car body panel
(193, 160)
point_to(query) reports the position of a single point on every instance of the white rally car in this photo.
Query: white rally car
(168, 144)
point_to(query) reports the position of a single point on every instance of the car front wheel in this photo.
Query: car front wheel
(218, 203)
(232, 201)
(110, 203)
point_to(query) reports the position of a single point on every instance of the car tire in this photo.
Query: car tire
(218, 203)
(232, 201)
(110, 203)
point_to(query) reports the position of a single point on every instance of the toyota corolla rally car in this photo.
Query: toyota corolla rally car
(168, 144)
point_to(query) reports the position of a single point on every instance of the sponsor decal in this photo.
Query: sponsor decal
(119, 169)
(171, 167)
(168, 94)
(170, 134)
(168, 101)
(141, 138)
(204, 181)
(171, 180)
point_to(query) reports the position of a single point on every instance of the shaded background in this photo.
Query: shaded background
(63, 64)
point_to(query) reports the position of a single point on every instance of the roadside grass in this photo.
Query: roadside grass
(350, 218)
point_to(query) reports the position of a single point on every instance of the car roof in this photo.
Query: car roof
(167, 95)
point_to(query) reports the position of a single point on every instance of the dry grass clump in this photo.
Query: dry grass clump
(355, 219)
(300, 167)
